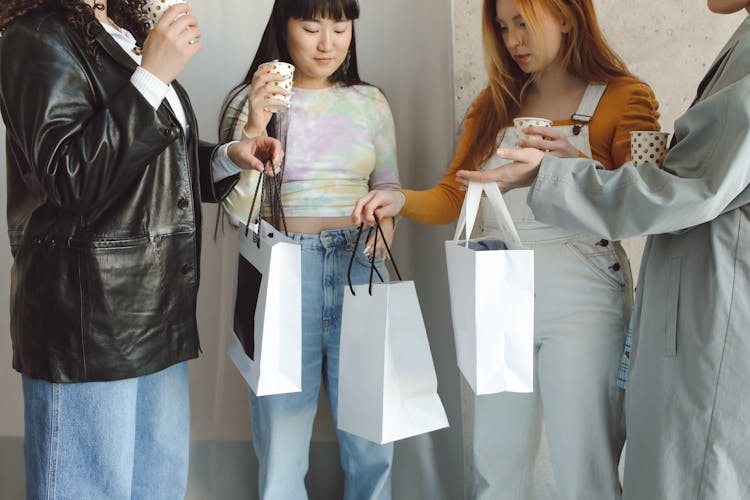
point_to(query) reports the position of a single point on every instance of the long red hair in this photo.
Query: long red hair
(584, 53)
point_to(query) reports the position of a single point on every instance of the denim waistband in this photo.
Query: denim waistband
(334, 238)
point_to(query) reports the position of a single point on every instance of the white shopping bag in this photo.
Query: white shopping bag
(266, 340)
(387, 381)
(492, 301)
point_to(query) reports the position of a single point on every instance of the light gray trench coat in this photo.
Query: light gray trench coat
(688, 402)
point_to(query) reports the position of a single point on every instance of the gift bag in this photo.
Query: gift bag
(492, 300)
(266, 340)
(387, 381)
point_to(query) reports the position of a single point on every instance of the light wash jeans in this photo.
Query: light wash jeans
(126, 439)
(282, 424)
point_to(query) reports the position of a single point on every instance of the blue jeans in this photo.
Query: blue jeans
(115, 440)
(282, 424)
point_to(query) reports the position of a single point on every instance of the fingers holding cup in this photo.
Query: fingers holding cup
(155, 10)
(281, 95)
(172, 43)
(521, 126)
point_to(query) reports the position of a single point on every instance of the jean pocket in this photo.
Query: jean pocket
(363, 260)
(602, 261)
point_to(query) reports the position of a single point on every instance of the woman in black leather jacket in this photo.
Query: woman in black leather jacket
(105, 181)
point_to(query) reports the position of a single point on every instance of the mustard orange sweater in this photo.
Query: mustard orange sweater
(625, 106)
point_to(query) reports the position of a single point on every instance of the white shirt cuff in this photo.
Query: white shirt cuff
(221, 166)
(153, 89)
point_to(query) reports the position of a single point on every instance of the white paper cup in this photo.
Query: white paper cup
(524, 122)
(156, 8)
(286, 70)
(648, 146)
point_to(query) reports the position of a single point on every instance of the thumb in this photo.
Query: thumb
(255, 163)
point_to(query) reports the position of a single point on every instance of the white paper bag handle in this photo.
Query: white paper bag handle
(502, 215)
(470, 209)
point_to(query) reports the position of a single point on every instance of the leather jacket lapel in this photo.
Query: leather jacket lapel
(112, 48)
(187, 106)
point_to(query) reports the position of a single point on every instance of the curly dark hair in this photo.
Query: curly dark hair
(129, 14)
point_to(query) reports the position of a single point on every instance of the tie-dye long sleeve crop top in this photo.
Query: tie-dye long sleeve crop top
(340, 143)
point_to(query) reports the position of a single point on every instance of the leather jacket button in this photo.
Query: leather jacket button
(186, 269)
(182, 203)
(616, 267)
(603, 243)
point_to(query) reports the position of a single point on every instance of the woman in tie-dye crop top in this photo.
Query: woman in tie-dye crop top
(339, 143)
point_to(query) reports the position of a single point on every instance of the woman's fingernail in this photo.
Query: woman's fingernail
(367, 250)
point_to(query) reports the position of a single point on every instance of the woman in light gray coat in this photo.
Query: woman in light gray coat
(688, 405)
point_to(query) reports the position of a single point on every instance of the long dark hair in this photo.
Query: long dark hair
(273, 44)
(130, 14)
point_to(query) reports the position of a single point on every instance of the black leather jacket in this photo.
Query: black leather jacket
(104, 215)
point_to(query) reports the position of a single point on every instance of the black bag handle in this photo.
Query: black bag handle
(274, 202)
(373, 269)
(260, 183)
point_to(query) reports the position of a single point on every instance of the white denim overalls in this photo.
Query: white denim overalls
(583, 299)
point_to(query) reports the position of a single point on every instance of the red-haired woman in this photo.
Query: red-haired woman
(548, 59)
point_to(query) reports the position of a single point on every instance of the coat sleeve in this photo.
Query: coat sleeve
(212, 192)
(707, 170)
(81, 151)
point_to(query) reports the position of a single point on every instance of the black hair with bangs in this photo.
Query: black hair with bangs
(273, 43)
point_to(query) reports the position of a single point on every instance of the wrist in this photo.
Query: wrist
(252, 132)
(156, 74)
(402, 198)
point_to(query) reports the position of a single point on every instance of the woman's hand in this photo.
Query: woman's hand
(169, 47)
(256, 153)
(521, 173)
(388, 227)
(262, 93)
(384, 204)
(549, 139)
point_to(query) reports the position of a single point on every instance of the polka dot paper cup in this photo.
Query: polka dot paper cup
(648, 147)
(523, 123)
(286, 70)
(156, 8)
